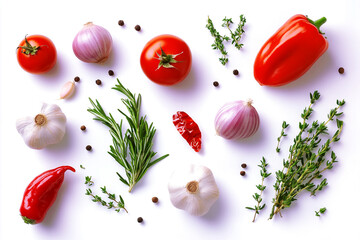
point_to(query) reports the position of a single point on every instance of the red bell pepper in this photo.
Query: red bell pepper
(41, 193)
(290, 52)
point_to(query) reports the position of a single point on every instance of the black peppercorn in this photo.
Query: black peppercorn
(140, 219)
(76, 79)
(121, 22)
(111, 72)
(236, 72)
(83, 128)
(88, 147)
(216, 84)
(137, 28)
(98, 82)
(154, 199)
(242, 173)
(341, 70)
(243, 165)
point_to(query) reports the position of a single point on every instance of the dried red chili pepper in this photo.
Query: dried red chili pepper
(290, 52)
(188, 129)
(41, 194)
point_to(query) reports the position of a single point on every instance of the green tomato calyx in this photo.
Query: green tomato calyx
(28, 49)
(166, 60)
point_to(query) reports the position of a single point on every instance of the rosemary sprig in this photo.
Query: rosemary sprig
(321, 211)
(261, 187)
(137, 141)
(235, 36)
(218, 42)
(117, 205)
(307, 159)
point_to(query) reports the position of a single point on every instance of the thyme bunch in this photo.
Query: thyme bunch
(261, 187)
(220, 39)
(308, 159)
(117, 205)
(132, 149)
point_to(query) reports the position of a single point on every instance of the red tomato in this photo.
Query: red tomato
(166, 60)
(36, 54)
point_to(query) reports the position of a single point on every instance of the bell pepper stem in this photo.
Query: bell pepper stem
(318, 23)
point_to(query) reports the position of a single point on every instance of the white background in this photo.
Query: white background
(75, 216)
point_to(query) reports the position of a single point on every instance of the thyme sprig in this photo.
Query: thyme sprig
(261, 187)
(132, 149)
(307, 159)
(237, 34)
(321, 211)
(218, 41)
(282, 134)
(115, 204)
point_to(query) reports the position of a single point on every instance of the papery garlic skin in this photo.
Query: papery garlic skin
(45, 128)
(193, 189)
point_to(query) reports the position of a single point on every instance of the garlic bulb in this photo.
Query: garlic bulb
(43, 129)
(193, 189)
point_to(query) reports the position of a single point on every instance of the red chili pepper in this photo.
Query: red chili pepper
(290, 52)
(188, 129)
(41, 194)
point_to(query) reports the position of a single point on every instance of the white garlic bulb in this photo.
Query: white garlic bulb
(43, 129)
(193, 189)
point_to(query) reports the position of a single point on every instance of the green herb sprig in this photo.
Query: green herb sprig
(115, 204)
(282, 134)
(218, 41)
(237, 34)
(261, 187)
(321, 211)
(307, 159)
(132, 149)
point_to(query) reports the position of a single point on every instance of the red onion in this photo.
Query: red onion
(237, 119)
(92, 44)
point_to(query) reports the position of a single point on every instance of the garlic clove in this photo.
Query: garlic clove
(67, 90)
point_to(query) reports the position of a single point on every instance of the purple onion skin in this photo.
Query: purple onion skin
(237, 120)
(92, 44)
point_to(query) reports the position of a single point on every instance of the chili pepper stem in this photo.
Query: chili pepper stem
(318, 23)
(28, 220)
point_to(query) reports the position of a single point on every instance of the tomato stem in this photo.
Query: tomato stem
(166, 59)
(28, 49)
